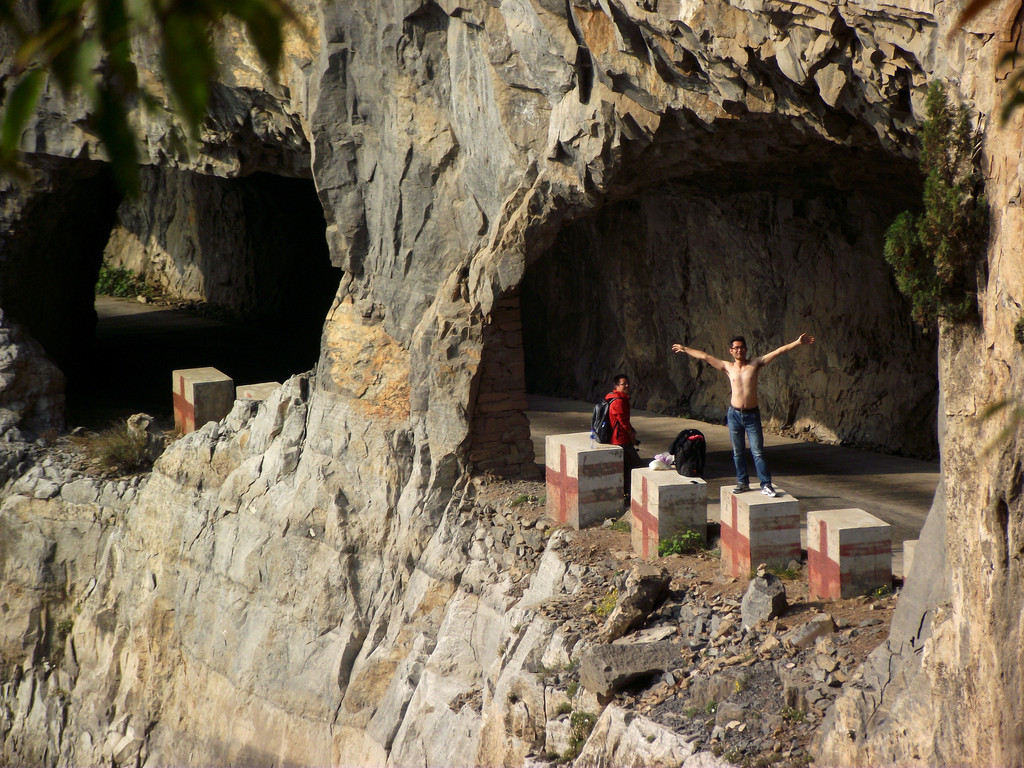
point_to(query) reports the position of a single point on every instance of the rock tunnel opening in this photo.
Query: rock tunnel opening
(247, 256)
(250, 252)
(766, 253)
(49, 260)
(784, 238)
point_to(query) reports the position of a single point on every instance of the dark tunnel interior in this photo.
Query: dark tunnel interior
(270, 281)
(786, 243)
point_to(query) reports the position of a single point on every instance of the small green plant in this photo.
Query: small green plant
(740, 683)
(880, 592)
(557, 669)
(650, 738)
(563, 709)
(572, 689)
(794, 715)
(604, 608)
(692, 711)
(580, 726)
(1018, 331)
(711, 707)
(522, 498)
(125, 284)
(732, 755)
(786, 573)
(622, 526)
(64, 628)
(682, 543)
(934, 254)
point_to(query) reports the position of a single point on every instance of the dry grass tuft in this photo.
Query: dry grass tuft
(115, 450)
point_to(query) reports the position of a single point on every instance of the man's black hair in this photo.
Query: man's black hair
(737, 338)
(618, 378)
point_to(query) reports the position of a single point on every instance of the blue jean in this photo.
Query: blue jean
(748, 422)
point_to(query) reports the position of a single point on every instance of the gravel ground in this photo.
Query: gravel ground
(752, 697)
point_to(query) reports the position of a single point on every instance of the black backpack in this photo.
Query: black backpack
(600, 424)
(689, 450)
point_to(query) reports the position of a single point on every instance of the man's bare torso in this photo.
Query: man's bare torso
(743, 379)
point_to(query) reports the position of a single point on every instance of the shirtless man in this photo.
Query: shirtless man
(744, 416)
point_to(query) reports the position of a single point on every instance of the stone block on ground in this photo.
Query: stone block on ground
(764, 599)
(806, 634)
(664, 503)
(645, 589)
(605, 669)
(200, 395)
(758, 529)
(584, 484)
(256, 391)
(143, 427)
(849, 553)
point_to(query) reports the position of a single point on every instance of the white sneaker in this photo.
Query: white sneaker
(768, 491)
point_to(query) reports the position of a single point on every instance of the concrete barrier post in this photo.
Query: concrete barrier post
(200, 395)
(256, 391)
(757, 529)
(584, 484)
(849, 553)
(664, 503)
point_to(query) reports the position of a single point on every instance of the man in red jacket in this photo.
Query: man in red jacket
(623, 433)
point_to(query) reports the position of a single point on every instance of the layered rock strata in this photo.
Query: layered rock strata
(488, 663)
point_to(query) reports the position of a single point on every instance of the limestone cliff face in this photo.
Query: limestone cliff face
(300, 585)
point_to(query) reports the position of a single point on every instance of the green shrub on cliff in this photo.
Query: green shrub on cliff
(935, 254)
(123, 283)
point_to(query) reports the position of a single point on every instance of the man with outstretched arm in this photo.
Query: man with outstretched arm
(744, 416)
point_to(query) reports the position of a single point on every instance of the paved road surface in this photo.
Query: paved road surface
(137, 346)
(898, 490)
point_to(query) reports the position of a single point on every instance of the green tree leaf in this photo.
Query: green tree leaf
(86, 45)
(189, 64)
(20, 105)
(111, 123)
(263, 22)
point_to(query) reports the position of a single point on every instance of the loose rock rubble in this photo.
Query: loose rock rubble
(750, 692)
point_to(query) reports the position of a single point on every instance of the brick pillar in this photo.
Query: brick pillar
(849, 553)
(500, 439)
(584, 484)
(664, 503)
(200, 395)
(757, 529)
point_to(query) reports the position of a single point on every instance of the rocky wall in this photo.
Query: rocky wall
(946, 688)
(253, 245)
